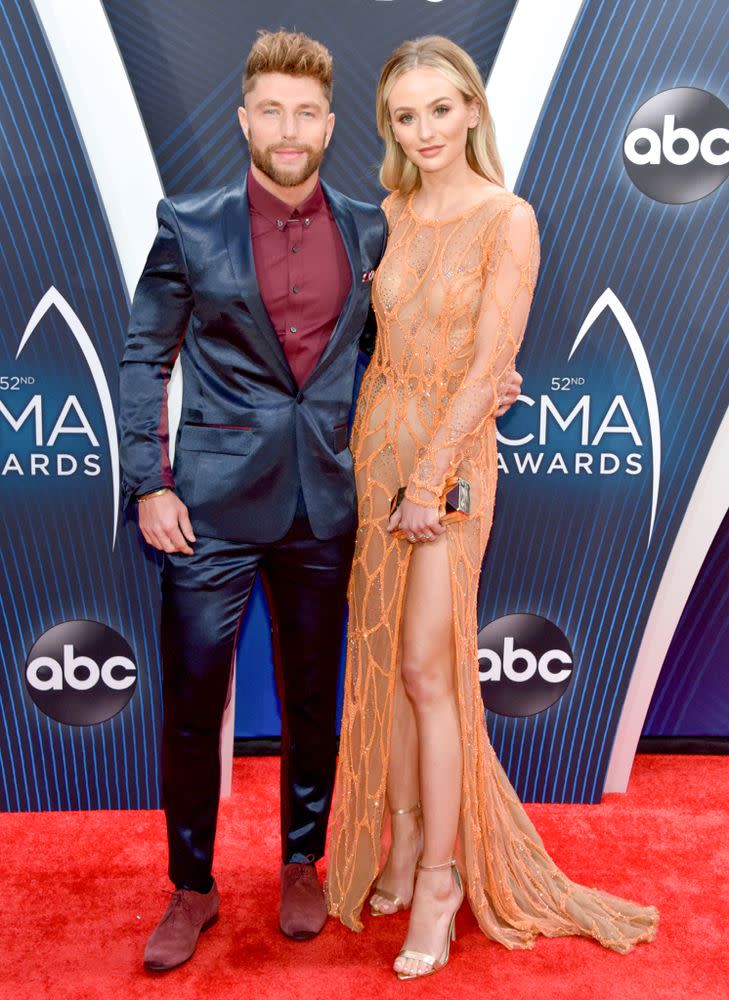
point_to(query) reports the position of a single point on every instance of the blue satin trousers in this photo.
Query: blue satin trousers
(204, 598)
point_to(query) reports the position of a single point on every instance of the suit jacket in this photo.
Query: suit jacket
(248, 434)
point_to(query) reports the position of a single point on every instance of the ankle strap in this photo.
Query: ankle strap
(451, 863)
(404, 812)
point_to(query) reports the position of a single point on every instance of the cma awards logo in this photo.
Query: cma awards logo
(525, 664)
(52, 437)
(595, 420)
(676, 148)
(81, 673)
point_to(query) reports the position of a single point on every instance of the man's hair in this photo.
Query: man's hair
(290, 52)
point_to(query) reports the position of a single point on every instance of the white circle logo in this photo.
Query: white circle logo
(676, 147)
(81, 673)
(525, 664)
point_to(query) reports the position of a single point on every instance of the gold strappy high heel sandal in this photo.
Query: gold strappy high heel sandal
(436, 964)
(396, 901)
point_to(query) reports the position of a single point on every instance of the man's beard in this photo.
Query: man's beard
(263, 159)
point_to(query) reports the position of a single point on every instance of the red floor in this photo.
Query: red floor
(83, 890)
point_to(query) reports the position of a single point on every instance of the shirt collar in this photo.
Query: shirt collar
(277, 211)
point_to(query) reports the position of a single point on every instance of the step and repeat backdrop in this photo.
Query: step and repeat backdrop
(603, 595)
(691, 697)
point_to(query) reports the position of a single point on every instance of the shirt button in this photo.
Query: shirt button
(295, 289)
(307, 222)
(292, 329)
(295, 248)
(280, 223)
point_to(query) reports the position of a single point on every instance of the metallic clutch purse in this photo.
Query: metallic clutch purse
(455, 503)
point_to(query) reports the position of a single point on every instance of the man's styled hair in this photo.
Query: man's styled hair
(290, 52)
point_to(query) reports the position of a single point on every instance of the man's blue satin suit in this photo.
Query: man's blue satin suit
(264, 468)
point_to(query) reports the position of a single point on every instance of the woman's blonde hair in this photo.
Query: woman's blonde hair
(397, 173)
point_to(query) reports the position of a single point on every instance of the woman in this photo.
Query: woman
(452, 296)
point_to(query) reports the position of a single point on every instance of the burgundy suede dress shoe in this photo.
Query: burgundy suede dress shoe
(174, 938)
(303, 907)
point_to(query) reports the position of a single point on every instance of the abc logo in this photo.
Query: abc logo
(81, 673)
(525, 664)
(676, 148)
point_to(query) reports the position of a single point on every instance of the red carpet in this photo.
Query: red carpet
(83, 891)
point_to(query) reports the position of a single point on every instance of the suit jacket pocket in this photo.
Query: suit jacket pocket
(213, 469)
(216, 439)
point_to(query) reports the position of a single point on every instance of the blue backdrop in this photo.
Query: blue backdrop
(587, 510)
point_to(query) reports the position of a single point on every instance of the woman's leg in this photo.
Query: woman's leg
(403, 792)
(427, 667)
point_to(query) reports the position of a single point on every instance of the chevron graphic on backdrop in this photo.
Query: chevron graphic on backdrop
(188, 100)
(57, 564)
(609, 300)
(666, 264)
(54, 298)
(596, 233)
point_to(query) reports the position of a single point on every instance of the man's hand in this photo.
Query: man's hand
(165, 523)
(509, 389)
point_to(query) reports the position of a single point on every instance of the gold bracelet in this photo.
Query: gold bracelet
(154, 493)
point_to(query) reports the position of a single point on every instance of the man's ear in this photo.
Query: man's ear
(243, 121)
(330, 128)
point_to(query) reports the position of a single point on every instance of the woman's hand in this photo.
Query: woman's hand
(418, 524)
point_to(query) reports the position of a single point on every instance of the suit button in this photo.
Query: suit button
(300, 398)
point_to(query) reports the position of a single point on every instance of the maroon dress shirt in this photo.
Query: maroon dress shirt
(302, 270)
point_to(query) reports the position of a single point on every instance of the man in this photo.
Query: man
(263, 289)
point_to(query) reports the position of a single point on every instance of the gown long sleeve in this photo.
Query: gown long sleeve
(510, 270)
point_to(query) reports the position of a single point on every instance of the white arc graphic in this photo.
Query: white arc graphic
(528, 58)
(609, 300)
(54, 298)
(701, 522)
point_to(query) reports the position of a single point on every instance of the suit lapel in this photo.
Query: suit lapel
(237, 231)
(350, 238)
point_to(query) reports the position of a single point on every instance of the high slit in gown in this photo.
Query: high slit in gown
(452, 299)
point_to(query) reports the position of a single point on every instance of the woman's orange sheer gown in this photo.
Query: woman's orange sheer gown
(452, 299)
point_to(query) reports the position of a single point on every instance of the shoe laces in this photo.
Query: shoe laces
(178, 901)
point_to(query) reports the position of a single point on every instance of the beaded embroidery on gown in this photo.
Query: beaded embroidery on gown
(452, 299)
